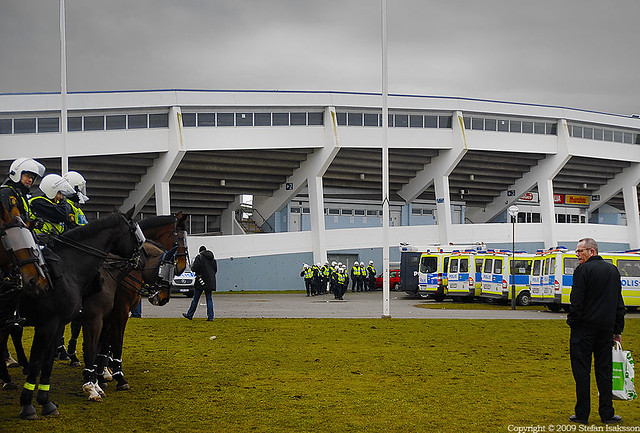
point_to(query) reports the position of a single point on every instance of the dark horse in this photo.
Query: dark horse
(168, 231)
(98, 307)
(81, 252)
(22, 270)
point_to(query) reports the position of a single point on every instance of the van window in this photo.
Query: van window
(453, 266)
(537, 267)
(446, 263)
(522, 267)
(497, 266)
(570, 265)
(629, 268)
(464, 265)
(488, 266)
(547, 264)
(428, 265)
(479, 265)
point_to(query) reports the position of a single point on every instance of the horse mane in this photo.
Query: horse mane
(156, 221)
(92, 228)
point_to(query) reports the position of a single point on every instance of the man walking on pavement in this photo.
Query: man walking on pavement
(205, 267)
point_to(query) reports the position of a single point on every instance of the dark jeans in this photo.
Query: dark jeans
(196, 298)
(583, 343)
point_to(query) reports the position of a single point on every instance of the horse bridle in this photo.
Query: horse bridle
(16, 237)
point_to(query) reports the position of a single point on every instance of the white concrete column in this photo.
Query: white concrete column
(229, 225)
(316, 205)
(163, 198)
(443, 208)
(630, 193)
(547, 212)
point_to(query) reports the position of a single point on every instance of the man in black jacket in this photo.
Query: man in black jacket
(205, 267)
(596, 318)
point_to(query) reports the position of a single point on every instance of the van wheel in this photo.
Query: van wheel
(524, 299)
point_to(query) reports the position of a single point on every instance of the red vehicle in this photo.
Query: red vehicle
(394, 280)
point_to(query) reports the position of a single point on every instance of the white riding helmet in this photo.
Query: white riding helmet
(305, 266)
(21, 165)
(340, 264)
(361, 263)
(77, 182)
(319, 264)
(371, 262)
(52, 183)
(334, 264)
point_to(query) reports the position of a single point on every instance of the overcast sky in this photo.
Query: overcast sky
(573, 53)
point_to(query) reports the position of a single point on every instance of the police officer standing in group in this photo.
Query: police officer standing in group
(371, 274)
(363, 276)
(326, 272)
(342, 280)
(307, 274)
(355, 276)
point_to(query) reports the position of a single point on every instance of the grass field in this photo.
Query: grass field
(329, 375)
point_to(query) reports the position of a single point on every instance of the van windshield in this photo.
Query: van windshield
(428, 265)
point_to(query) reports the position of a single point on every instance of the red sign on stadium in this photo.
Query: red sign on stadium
(558, 198)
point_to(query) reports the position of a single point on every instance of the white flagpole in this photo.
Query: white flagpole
(63, 87)
(385, 167)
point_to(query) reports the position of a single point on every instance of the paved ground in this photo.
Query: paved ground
(355, 305)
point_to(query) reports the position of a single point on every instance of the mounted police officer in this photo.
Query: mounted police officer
(79, 185)
(50, 205)
(23, 172)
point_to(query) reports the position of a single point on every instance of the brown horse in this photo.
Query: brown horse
(169, 231)
(97, 308)
(22, 269)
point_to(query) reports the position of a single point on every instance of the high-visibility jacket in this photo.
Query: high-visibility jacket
(325, 271)
(342, 278)
(15, 198)
(355, 271)
(308, 273)
(78, 216)
(48, 227)
(371, 270)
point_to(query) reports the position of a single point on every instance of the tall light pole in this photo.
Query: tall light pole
(385, 165)
(513, 212)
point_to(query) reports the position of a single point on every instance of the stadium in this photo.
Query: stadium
(274, 179)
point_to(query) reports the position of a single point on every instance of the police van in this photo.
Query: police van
(498, 277)
(464, 274)
(434, 267)
(432, 275)
(557, 277)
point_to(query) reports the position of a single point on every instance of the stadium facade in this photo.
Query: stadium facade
(274, 179)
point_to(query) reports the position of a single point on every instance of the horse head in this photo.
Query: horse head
(129, 241)
(21, 260)
(169, 231)
(157, 273)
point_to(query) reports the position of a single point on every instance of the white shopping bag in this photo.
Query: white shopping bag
(623, 374)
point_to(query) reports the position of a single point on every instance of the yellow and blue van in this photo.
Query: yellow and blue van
(498, 277)
(464, 274)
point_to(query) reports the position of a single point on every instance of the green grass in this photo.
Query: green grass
(329, 375)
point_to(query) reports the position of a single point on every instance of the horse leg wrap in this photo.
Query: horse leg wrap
(43, 394)
(26, 397)
(89, 376)
(101, 369)
(118, 375)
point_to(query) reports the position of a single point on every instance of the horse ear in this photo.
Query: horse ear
(181, 217)
(129, 214)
